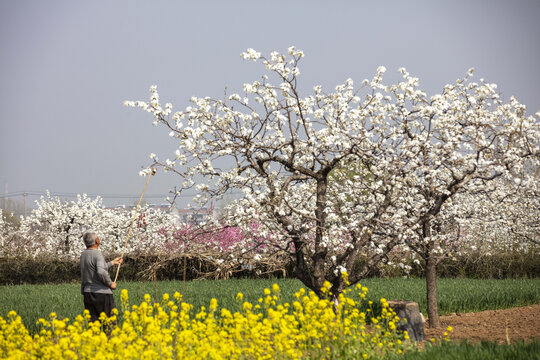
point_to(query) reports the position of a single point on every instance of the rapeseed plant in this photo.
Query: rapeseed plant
(310, 327)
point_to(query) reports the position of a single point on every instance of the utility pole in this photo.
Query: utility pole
(24, 194)
(5, 196)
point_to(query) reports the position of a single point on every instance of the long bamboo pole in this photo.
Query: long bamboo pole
(132, 220)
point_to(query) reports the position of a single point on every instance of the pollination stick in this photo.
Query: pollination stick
(133, 220)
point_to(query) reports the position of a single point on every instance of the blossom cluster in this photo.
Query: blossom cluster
(309, 327)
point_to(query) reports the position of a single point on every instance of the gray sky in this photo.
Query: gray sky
(67, 66)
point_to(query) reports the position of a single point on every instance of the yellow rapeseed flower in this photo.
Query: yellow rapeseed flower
(307, 328)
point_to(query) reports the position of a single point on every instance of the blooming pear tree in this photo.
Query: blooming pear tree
(322, 174)
(146, 232)
(339, 178)
(521, 208)
(506, 218)
(497, 217)
(465, 139)
(56, 227)
(59, 225)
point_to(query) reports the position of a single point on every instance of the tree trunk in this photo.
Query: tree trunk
(431, 284)
(320, 251)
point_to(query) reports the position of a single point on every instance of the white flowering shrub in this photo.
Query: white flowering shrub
(56, 227)
(146, 233)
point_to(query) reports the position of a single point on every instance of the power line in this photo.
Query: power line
(104, 196)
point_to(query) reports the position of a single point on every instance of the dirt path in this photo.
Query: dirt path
(494, 325)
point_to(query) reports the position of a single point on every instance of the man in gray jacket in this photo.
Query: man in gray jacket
(96, 283)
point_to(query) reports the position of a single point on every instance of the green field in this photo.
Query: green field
(481, 351)
(455, 295)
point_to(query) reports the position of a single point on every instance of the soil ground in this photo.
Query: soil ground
(503, 326)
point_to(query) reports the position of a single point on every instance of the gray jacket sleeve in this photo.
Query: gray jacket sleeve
(102, 270)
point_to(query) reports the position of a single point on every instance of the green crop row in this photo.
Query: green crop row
(460, 294)
(481, 351)
(455, 295)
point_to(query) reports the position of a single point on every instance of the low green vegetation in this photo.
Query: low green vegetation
(481, 351)
(32, 302)
(460, 295)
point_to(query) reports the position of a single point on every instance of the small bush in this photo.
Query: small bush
(38, 270)
(496, 266)
(48, 269)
